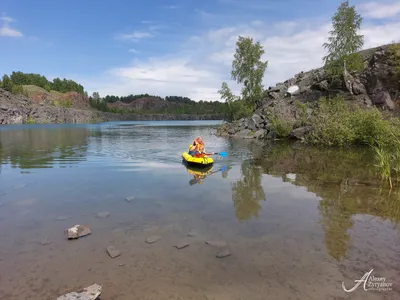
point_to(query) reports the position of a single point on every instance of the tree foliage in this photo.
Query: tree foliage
(16, 80)
(247, 69)
(394, 49)
(172, 105)
(344, 42)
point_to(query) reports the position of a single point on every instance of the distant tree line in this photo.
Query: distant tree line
(130, 98)
(16, 80)
(184, 105)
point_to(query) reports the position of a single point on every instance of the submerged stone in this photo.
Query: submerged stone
(217, 243)
(129, 199)
(181, 244)
(223, 253)
(92, 292)
(152, 239)
(113, 252)
(78, 231)
(103, 214)
(192, 233)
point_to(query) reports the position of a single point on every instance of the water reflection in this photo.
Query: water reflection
(30, 148)
(248, 191)
(200, 174)
(345, 180)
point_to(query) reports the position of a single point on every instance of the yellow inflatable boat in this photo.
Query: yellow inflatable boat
(204, 161)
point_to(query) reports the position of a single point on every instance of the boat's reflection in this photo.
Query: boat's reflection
(200, 173)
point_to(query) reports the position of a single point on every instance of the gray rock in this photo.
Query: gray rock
(383, 98)
(217, 243)
(92, 292)
(367, 100)
(78, 231)
(300, 132)
(260, 134)
(257, 120)
(231, 131)
(113, 252)
(358, 88)
(272, 135)
(129, 199)
(103, 214)
(152, 239)
(223, 253)
(44, 242)
(320, 86)
(274, 95)
(182, 244)
(251, 125)
(192, 233)
(274, 89)
(244, 133)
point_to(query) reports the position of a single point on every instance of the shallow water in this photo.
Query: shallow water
(298, 221)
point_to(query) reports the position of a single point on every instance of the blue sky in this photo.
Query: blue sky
(174, 47)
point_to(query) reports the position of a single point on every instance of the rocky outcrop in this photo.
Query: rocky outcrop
(19, 110)
(377, 85)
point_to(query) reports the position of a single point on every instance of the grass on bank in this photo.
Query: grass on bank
(339, 124)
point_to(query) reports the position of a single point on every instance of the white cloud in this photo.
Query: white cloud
(160, 76)
(151, 31)
(198, 68)
(6, 30)
(249, 4)
(380, 10)
(170, 6)
(133, 50)
(4, 18)
(135, 36)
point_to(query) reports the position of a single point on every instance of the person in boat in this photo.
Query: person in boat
(197, 148)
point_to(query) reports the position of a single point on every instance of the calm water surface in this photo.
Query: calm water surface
(298, 221)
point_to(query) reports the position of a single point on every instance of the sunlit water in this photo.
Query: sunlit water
(298, 221)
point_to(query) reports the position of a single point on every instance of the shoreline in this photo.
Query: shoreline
(20, 110)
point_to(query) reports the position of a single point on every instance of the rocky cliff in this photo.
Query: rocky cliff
(19, 109)
(377, 85)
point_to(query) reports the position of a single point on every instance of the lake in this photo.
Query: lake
(296, 221)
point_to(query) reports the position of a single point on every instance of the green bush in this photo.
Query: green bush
(336, 123)
(66, 103)
(17, 89)
(30, 120)
(395, 56)
(281, 126)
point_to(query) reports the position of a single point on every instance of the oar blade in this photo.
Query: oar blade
(224, 154)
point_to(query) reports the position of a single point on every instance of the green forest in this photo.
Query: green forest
(180, 105)
(16, 80)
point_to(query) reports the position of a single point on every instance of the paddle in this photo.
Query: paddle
(224, 154)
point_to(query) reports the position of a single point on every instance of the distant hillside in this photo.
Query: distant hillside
(39, 95)
(66, 93)
(18, 109)
(143, 104)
